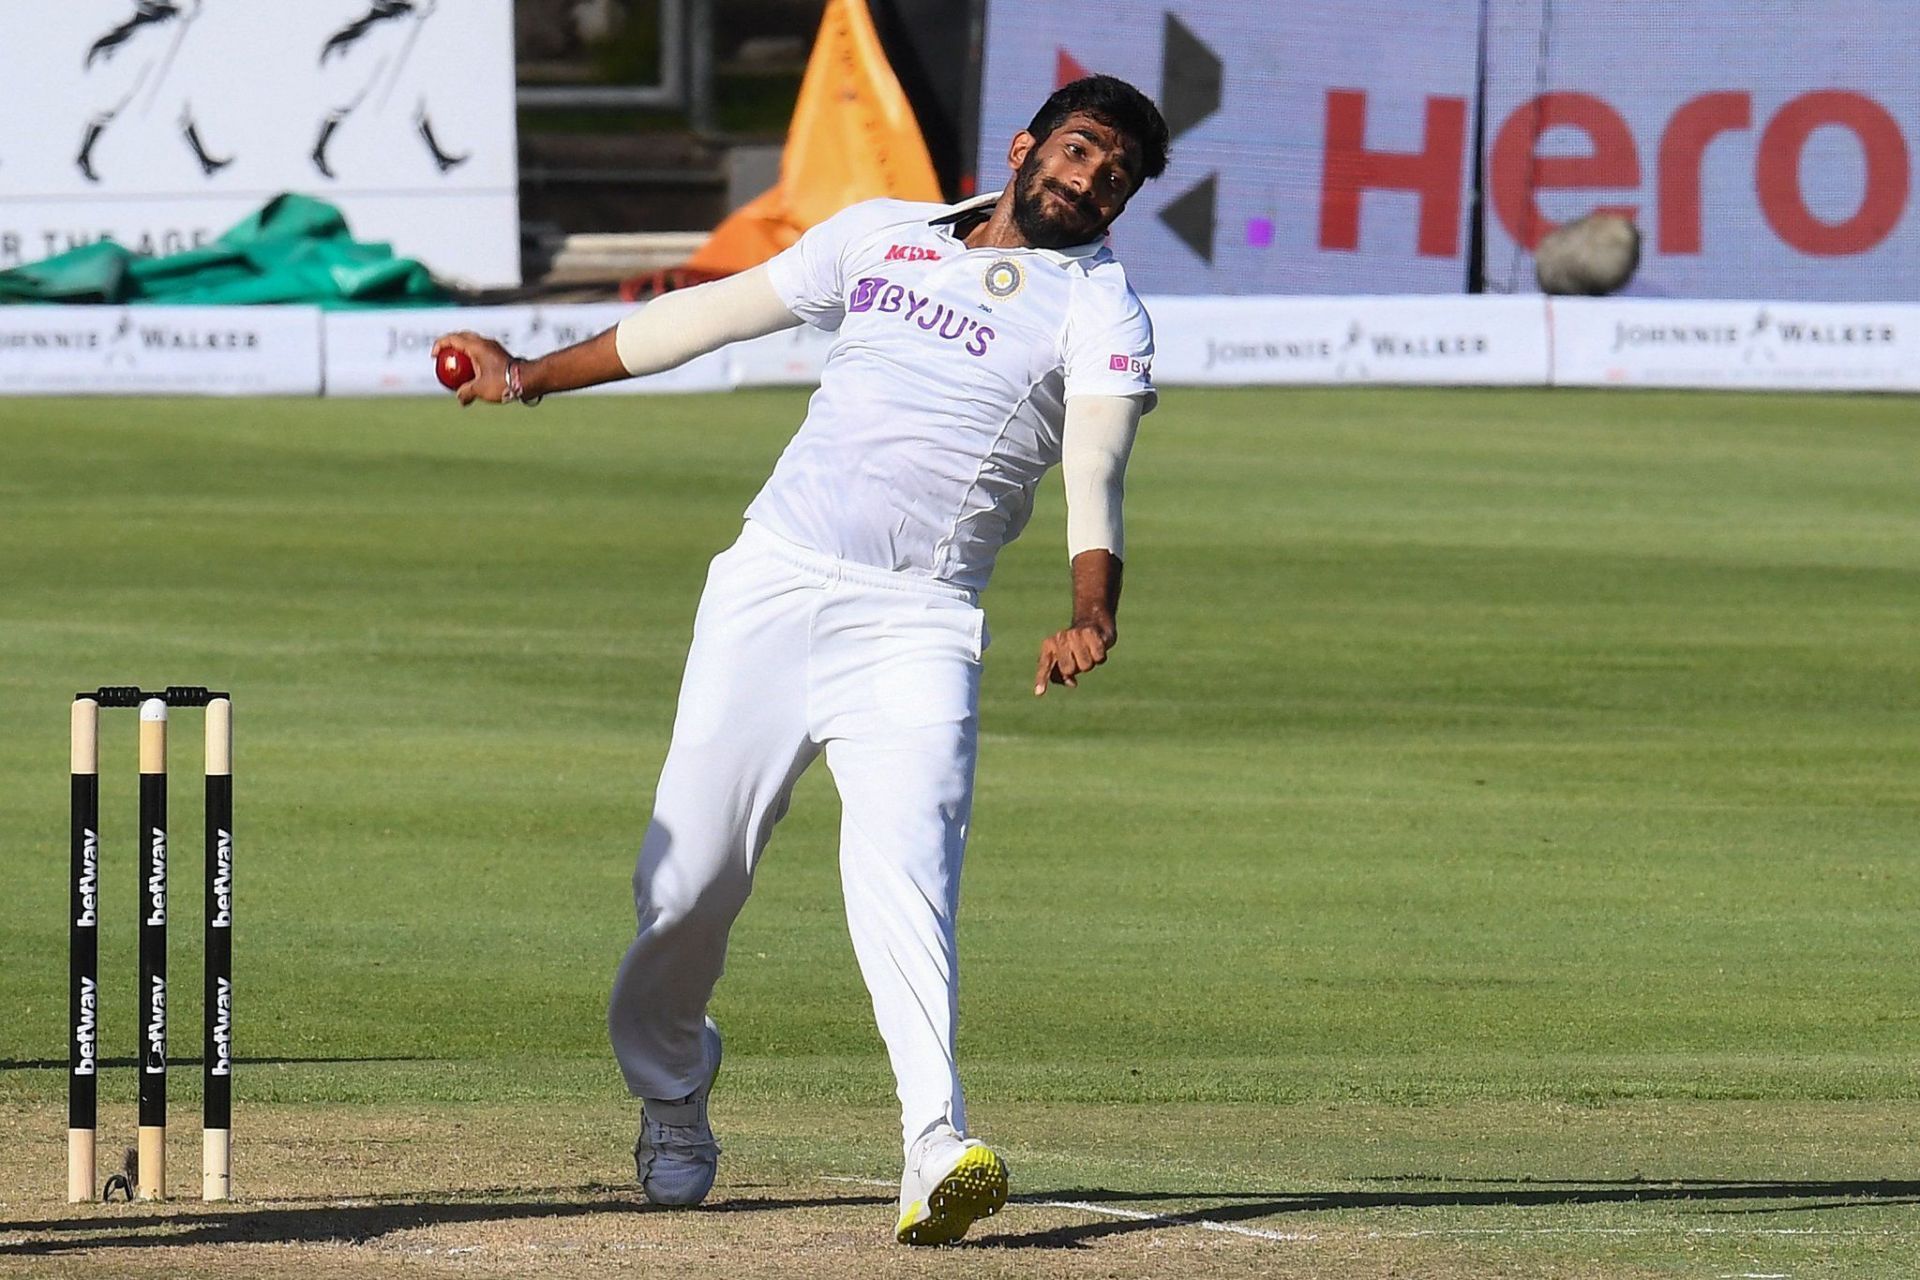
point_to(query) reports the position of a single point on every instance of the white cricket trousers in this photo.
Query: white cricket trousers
(794, 653)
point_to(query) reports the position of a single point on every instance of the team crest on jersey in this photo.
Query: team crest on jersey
(1004, 278)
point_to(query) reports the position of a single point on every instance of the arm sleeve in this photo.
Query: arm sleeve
(676, 327)
(1108, 348)
(1097, 437)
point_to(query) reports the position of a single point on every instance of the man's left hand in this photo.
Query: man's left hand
(1068, 654)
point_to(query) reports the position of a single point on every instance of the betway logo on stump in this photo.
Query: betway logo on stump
(223, 1029)
(86, 1030)
(222, 882)
(89, 884)
(157, 879)
(156, 1064)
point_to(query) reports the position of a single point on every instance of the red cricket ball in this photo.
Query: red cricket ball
(453, 368)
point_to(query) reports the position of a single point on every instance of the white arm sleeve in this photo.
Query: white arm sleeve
(1096, 439)
(677, 326)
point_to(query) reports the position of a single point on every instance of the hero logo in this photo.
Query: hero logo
(157, 879)
(222, 882)
(157, 1028)
(876, 293)
(1128, 364)
(911, 253)
(89, 885)
(1520, 166)
(85, 1029)
(223, 1029)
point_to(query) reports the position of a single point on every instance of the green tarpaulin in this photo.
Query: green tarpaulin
(294, 249)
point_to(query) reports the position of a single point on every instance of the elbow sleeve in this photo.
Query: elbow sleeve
(1097, 438)
(676, 327)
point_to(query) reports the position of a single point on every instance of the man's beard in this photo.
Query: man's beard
(1047, 228)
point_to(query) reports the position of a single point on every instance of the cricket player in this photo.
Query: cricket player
(979, 344)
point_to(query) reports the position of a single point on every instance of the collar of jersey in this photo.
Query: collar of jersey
(1072, 253)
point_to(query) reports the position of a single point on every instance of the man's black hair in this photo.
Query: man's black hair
(1116, 104)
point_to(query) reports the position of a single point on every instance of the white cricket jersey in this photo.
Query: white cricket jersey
(940, 406)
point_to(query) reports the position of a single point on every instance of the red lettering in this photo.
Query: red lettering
(1518, 171)
(1682, 147)
(1432, 173)
(1777, 176)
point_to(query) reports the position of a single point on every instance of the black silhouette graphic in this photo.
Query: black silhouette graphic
(131, 63)
(369, 56)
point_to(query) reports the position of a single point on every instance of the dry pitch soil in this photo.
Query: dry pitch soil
(544, 1190)
(348, 1192)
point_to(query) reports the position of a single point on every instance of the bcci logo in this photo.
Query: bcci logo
(1003, 279)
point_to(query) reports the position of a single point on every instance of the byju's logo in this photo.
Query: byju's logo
(1129, 364)
(879, 295)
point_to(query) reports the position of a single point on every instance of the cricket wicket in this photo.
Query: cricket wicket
(83, 1057)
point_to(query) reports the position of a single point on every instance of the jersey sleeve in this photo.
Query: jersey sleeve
(810, 275)
(1109, 348)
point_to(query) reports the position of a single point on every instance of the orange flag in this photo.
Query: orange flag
(853, 137)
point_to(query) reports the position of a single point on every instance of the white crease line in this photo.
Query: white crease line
(1130, 1215)
(1626, 1231)
(1170, 1219)
(1208, 1224)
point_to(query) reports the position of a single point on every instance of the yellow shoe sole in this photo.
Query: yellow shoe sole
(975, 1189)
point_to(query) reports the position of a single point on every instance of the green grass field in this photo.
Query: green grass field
(1491, 851)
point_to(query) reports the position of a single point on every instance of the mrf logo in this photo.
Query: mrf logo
(911, 253)
(879, 295)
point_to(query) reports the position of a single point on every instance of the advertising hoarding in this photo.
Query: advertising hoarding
(160, 123)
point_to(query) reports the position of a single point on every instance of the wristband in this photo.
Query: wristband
(514, 390)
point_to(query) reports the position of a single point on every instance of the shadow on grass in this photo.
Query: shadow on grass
(359, 1220)
(1239, 1206)
(107, 1064)
(351, 1221)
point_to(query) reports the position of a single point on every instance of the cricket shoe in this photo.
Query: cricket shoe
(676, 1156)
(950, 1183)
